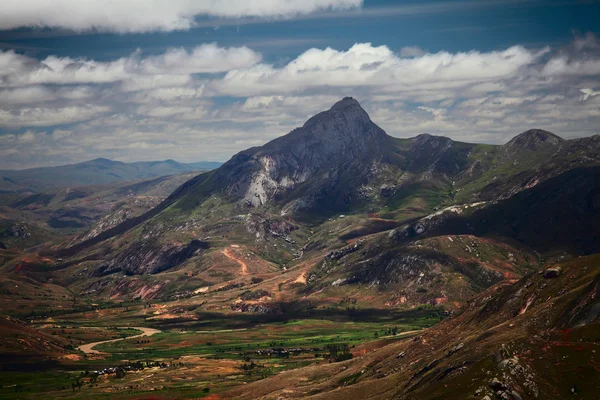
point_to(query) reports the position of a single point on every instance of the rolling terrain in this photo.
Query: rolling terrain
(94, 172)
(332, 248)
(537, 338)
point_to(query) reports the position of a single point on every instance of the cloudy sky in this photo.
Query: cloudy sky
(199, 80)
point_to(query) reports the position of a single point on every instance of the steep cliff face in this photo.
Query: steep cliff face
(338, 141)
(337, 161)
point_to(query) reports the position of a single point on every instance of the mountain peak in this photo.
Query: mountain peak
(345, 103)
(322, 150)
(348, 109)
(534, 139)
(100, 161)
(426, 138)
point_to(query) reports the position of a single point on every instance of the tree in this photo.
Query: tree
(76, 385)
(338, 352)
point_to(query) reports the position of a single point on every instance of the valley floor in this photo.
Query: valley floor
(193, 358)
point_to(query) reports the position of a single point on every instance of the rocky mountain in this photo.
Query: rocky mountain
(533, 140)
(312, 167)
(340, 161)
(340, 181)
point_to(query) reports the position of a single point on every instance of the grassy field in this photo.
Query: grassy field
(216, 352)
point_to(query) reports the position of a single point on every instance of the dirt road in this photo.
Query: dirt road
(89, 348)
(231, 256)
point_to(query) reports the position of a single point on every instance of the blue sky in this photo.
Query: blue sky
(159, 79)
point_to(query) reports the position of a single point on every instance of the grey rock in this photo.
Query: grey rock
(552, 272)
(516, 396)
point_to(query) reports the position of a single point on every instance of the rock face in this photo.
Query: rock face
(20, 231)
(121, 213)
(338, 160)
(150, 257)
(342, 136)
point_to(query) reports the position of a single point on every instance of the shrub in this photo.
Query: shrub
(338, 352)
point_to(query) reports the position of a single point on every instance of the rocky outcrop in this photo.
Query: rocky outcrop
(261, 308)
(150, 257)
(341, 136)
(553, 272)
(20, 231)
(121, 213)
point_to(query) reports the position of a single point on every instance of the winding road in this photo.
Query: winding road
(89, 348)
(228, 254)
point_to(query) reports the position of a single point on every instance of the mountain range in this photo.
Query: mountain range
(95, 172)
(338, 215)
(340, 162)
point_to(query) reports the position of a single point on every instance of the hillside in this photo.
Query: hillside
(66, 211)
(336, 215)
(535, 339)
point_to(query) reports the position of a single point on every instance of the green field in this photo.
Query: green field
(191, 359)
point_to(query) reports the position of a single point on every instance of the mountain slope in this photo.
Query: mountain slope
(536, 339)
(72, 210)
(282, 202)
(559, 214)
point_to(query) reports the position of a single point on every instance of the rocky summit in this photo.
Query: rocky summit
(332, 148)
(357, 265)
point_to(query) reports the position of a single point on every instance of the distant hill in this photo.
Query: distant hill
(94, 172)
(205, 165)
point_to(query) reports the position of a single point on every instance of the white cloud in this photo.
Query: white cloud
(173, 65)
(146, 82)
(152, 107)
(564, 66)
(368, 66)
(412, 51)
(208, 58)
(149, 15)
(48, 116)
(169, 93)
(40, 94)
(25, 95)
(587, 93)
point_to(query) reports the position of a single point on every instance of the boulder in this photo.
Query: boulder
(496, 384)
(516, 396)
(553, 272)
